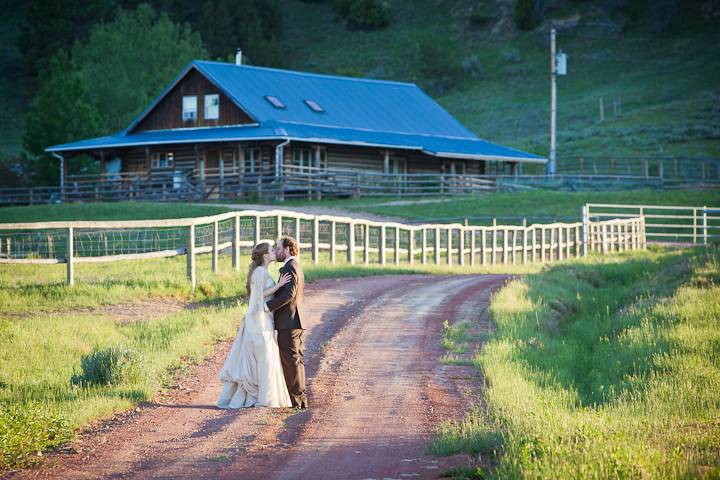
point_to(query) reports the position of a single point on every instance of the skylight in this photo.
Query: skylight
(314, 106)
(274, 101)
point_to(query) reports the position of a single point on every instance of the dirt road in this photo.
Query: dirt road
(377, 391)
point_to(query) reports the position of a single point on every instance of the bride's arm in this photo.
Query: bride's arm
(284, 278)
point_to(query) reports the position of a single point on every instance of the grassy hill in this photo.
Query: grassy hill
(669, 84)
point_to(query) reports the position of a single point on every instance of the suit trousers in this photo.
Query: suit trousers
(291, 356)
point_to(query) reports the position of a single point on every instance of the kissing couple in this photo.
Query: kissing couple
(265, 365)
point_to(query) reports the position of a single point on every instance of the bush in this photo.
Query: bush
(527, 14)
(109, 366)
(28, 429)
(363, 14)
(443, 70)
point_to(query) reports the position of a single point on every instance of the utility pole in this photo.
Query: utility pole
(553, 105)
(558, 66)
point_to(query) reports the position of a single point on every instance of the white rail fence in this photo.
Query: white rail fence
(664, 224)
(358, 241)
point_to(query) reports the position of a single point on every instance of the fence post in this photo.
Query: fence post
(366, 249)
(577, 241)
(494, 241)
(472, 246)
(215, 247)
(525, 242)
(256, 234)
(533, 243)
(297, 229)
(397, 246)
(437, 246)
(190, 252)
(705, 225)
(553, 242)
(316, 241)
(383, 241)
(514, 246)
(542, 244)
(333, 227)
(351, 243)
(279, 226)
(461, 247)
(424, 246)
(483, 245)
(236, 243)
(449, 246)
(585, 215)
(70, 253)
(411, 246)
(559, 238)
(568, 245)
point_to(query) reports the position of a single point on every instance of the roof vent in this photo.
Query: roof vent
(238, 57)
(314, 106)
(274, 101)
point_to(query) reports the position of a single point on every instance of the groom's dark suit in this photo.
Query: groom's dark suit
(287, 305)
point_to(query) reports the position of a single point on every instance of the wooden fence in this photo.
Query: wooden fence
(358, 241)
(305, 182)
(665, 223)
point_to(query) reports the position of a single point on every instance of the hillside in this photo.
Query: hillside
(668, 84)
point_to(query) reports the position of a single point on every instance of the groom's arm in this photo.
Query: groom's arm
(286, 293)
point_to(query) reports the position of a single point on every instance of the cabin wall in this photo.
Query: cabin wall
(167, 113)
(187, 157)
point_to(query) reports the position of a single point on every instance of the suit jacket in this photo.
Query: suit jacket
(287, 304)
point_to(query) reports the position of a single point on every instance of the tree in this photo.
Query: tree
(105, 82)
(51, 25)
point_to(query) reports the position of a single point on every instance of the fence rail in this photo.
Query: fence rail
(309, 182)
(664, 223)
(359, 241)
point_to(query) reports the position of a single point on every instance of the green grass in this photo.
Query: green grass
(106, 211)
(605, 367)
(511, 208)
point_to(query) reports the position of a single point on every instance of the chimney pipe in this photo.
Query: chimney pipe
(238, 57)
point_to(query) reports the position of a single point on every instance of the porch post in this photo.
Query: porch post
(386, 162)
(102, 163)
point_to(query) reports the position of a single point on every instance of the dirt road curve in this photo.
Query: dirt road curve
(377, 390)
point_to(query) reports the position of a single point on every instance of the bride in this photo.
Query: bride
(252, 374)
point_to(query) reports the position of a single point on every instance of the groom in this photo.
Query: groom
(287, 304)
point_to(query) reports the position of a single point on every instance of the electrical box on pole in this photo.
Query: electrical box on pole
(561, 63)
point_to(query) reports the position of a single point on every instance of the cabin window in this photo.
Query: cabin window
(251, 160)
(212, 106)
(304, 158)
(162, 160)
(274, 101)
(189, 110)
(314, 106)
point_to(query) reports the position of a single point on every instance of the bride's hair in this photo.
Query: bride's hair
(256, 259)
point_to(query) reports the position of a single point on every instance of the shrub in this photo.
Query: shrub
(527, 14)
(439, 65)
(109, 366)
(363, 14)
(28, 429)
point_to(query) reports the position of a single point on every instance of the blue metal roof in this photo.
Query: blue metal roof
(355, 111)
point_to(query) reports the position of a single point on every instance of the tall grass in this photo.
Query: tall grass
(602, 368)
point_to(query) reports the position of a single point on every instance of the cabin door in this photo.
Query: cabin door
(212, 161)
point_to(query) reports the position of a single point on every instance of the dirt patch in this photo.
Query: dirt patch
(377, 389)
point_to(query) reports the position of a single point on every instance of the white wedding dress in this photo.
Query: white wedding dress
(252, 374)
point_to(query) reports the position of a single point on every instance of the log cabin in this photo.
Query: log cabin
(230, 119)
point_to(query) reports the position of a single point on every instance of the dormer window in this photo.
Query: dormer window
(212, 106)
(314, 106)
(274, 101)
(189, 108)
